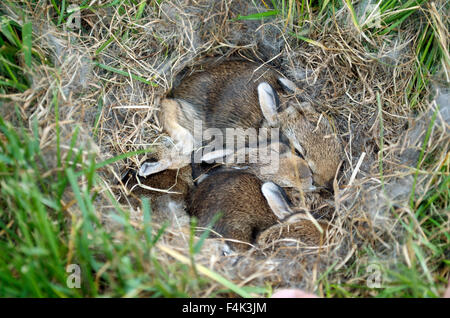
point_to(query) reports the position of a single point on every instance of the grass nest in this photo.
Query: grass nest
(107, 78)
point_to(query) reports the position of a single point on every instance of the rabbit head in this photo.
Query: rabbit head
(309, 132)
(279, 165)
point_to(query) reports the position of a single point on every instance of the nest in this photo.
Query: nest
(341, 78)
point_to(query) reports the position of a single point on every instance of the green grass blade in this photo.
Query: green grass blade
(140, 10)
(353, 15)
(27, 39)
(258, 16)
(136, 77)
(121, 157)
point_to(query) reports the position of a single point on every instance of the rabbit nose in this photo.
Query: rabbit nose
(317, 187)
(329, 186)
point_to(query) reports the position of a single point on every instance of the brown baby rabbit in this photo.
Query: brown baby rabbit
(247, 206)
(242, 94)
(285, 169)
(280, 165)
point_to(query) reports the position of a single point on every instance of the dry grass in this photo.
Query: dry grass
(372, 212)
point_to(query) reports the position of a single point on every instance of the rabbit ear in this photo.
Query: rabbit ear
(216, 154)
(149, 168)
(287, 85)
(276, 199)
(269, 102)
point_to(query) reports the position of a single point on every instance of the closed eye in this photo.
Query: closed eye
(298, 153)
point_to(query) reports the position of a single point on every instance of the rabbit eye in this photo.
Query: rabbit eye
(299, 154)
(300, 151)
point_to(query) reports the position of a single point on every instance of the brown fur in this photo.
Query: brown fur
(303, 231)
(237, 195)
(173, 180)
(292, 171)
(225, 96)
(221, 102)
(165, 206)
(322, 150)
(246, 213)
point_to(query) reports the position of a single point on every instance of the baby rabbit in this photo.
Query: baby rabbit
(281, 165)
(286, 168)
(242, 94)
(248, 207)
